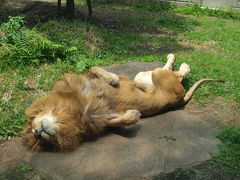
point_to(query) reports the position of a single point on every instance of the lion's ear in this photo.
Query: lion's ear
(60, 85)
(67, 81)
(64, 93)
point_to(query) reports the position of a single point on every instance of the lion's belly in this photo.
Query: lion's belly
(144, 78)
(129, 97)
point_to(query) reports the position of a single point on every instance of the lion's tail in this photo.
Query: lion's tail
(195, 86)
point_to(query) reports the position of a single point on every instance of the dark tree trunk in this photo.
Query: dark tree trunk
(89, 4)
(70, 8)
(59, 4)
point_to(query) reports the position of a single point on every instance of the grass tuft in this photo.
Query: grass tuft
(229, 150)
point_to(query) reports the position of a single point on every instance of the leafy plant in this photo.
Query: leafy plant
(22, 46)
(24, 168)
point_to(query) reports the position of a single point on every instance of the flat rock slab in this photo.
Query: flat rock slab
(132, 68)
(158, 144)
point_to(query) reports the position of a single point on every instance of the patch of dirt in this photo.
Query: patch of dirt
(35, 11)
(206, 46)
(218, 113)
(163, 34)
(8, 154)
(151, 49)
(17, 166)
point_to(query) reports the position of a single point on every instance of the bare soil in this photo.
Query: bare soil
(207, 46)
(219, 113)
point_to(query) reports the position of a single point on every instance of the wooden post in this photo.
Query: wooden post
(89, 4)
(70, 9)
(59, 4)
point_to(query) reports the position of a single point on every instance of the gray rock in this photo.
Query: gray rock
(131, 69)
(157, 144)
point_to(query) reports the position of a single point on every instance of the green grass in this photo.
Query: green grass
(162, 6)
(229, 154)
(208, 41)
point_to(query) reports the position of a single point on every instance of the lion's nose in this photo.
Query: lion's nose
(49, 125)
(37, 132)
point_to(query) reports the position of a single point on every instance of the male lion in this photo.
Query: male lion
(80, 107)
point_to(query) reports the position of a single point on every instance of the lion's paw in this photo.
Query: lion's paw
(184, 69)
(132, 116)
(171, 57)
(115, 80)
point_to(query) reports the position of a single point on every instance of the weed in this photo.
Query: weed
(24, 167)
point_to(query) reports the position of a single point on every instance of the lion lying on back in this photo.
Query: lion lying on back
(80, 107)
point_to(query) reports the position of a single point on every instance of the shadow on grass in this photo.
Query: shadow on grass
(127, 32)
(34, 11)
(131, 20)
(140, 33)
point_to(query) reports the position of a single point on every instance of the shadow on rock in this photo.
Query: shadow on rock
(127, 132)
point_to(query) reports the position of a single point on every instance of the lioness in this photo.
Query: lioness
(80, 107)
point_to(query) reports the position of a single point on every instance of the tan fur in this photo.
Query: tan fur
(85, 105)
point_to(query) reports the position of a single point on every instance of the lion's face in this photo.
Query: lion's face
(45, 125)
(53, 121)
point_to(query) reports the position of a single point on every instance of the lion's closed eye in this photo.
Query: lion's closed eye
(31, 117)
(32, 112)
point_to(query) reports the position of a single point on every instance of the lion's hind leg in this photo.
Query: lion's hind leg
(184, 70)
(128, 118)
(146, 77)
(170, 62)
(110, 78)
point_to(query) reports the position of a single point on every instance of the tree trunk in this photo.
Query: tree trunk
(59, 4)
(89, 4)
(70, 9)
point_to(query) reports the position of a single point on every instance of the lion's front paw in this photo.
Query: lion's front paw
(132, 116)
